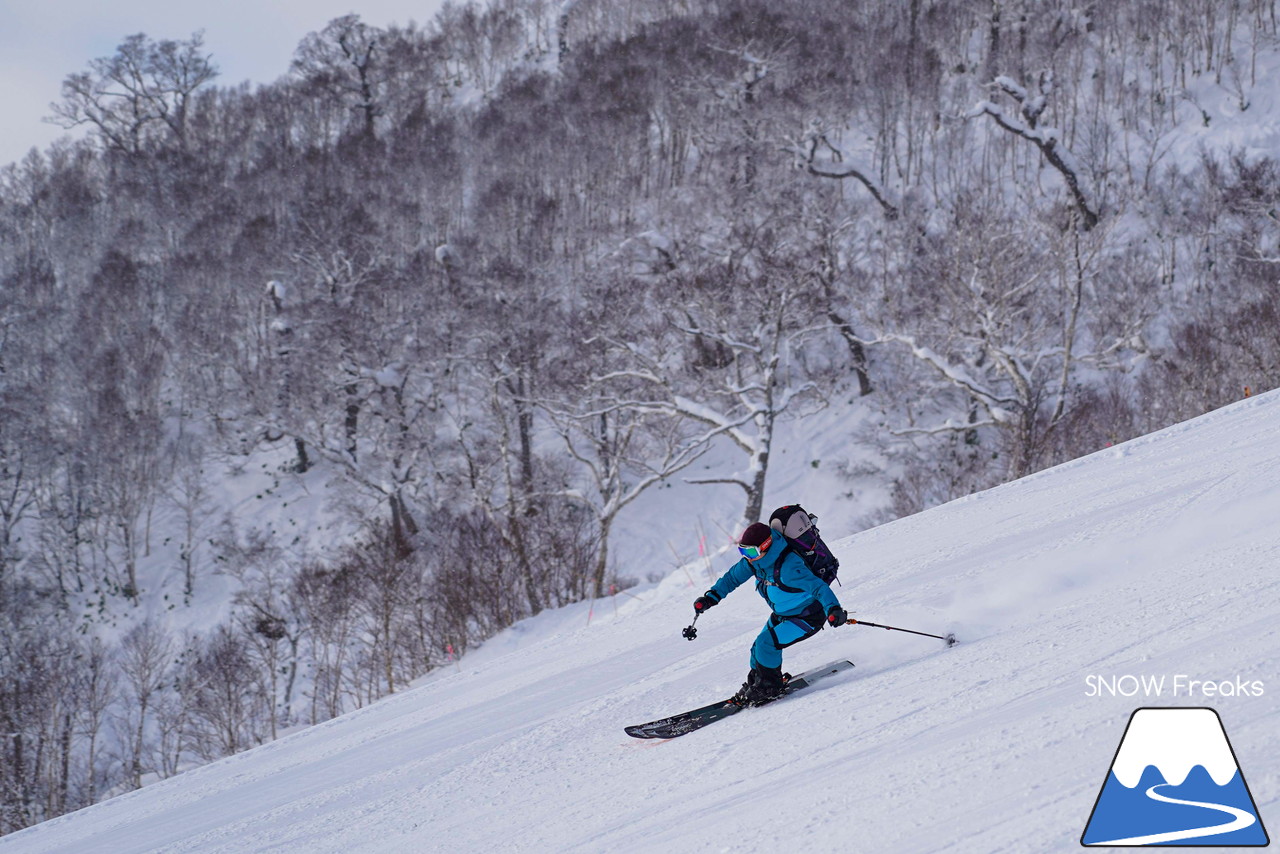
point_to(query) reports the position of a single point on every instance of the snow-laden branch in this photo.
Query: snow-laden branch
(719, 423)
(806, 150)
(954, 374)
(1031, 106)
(722, 338)
(1026, 125)
(707, 481)
(756, 396)
(644, 376)
(607, 460)
(948, 426)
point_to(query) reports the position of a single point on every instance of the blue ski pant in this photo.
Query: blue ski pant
(779, 633)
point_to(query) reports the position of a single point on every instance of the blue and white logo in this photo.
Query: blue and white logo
(1175, 781)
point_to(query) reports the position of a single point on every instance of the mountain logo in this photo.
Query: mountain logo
(1175, 781)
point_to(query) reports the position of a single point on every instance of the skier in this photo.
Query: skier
(800, 600)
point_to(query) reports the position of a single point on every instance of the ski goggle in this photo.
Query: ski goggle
(754, 552)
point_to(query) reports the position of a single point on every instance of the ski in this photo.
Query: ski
(686, 722)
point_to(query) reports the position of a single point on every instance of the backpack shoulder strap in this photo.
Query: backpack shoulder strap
(776, 573)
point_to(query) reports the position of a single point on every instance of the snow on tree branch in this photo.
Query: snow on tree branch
(815, 140)
(952, 373)
(951, 425)
(721, 337)
(1026, 125)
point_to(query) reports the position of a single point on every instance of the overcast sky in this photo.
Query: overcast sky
(42, 41)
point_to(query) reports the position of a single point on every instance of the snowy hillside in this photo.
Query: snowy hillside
(1152, 559)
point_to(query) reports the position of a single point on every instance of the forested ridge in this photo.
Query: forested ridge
(473, 287)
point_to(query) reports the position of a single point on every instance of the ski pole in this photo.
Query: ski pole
(950, 637)
(689, 631)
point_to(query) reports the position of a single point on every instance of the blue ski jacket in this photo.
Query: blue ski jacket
(788, 585)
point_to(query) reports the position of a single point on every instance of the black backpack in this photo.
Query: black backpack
(797, 527)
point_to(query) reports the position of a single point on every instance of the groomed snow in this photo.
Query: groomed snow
(1157, 557)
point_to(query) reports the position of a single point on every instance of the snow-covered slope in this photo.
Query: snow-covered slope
(1157, 558)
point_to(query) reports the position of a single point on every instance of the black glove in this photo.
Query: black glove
(837, 616)
(705, 601)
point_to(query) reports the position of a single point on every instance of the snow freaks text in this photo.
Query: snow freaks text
(1179, 685)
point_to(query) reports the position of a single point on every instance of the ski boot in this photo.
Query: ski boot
(763, 685)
